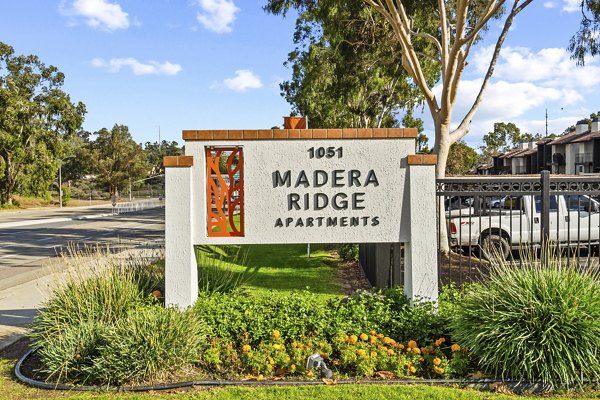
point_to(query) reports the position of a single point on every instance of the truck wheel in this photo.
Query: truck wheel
(494, 246)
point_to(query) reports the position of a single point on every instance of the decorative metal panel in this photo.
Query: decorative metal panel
(225, 191)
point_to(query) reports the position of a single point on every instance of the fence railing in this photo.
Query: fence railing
(122, 208)
(499, 216)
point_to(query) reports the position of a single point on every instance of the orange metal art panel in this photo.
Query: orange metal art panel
(225, 191)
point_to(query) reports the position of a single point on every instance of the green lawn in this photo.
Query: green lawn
(11, 390)
(281, 269)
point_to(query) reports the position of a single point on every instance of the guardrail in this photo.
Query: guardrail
(122, 208)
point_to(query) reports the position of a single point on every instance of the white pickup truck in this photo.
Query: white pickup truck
(574, 221)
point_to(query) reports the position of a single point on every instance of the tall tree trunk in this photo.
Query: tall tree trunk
(442, 149)
(9, 180)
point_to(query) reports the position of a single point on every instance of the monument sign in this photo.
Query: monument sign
(299, 186)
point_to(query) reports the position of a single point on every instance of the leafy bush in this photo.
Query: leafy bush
(300, 314)
(349, 251)
(66, 195)
(534, 322)
(148, 344)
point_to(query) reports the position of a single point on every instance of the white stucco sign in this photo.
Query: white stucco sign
(295, 186)
(294, 191)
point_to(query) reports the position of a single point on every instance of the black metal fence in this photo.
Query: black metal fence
(500, 216)
(503, 216)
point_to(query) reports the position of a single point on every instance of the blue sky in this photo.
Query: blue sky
(216, 64)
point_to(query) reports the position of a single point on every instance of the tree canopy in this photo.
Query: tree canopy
(37, 119)
(346, 69)
(118, 158)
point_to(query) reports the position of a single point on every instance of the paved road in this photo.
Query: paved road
(13, 216)
(24, 251)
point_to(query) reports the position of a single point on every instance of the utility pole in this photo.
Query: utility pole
(60, 183)
(546, 122)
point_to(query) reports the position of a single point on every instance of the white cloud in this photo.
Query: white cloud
(549, 4)
(243, 81)
(217, 15)
(138, 68)
(550, 67)
(572, 5)
(98, 14)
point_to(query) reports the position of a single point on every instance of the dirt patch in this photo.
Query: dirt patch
(15, 350)
(352, 277)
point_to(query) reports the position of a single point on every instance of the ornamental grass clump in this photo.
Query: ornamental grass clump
(535, 321)
(105, 325)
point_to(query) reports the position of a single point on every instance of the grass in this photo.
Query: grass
(283, 269)
(11, 390)
(34, 202)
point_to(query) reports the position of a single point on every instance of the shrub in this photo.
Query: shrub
(148, 344)
(534, 322)
(66, 197)
(230, 315)
(349, 251)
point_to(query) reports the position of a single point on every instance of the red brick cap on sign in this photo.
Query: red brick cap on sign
(269, 134)
(178, 161)
(422, 159)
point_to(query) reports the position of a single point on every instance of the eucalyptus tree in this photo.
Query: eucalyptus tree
(459, 25)
(37, 118)
(346, 69)
(118, 158)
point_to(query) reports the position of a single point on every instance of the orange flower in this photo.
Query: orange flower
(352, 339)
(364, 337)
(412, 344)
(361, 353)
(412, 369)
(246, 348)
(417, 350)
(438, 370)
(390, 352)
(437, 361)
(401, 346)
(455, 347)
(276, 334)
(372, 333)
(373, 354)
(324, 355)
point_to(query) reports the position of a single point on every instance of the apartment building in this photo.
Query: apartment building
(576, 152)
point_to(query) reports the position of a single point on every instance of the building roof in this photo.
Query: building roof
(586, 137)
(514, 153)
(568, 138)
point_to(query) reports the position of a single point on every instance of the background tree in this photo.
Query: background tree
(462, 159)
(37, 118)
(118, 158)
(459, 26)
(346, 65)
(155, 152)
(421, 143)
(504, 137)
